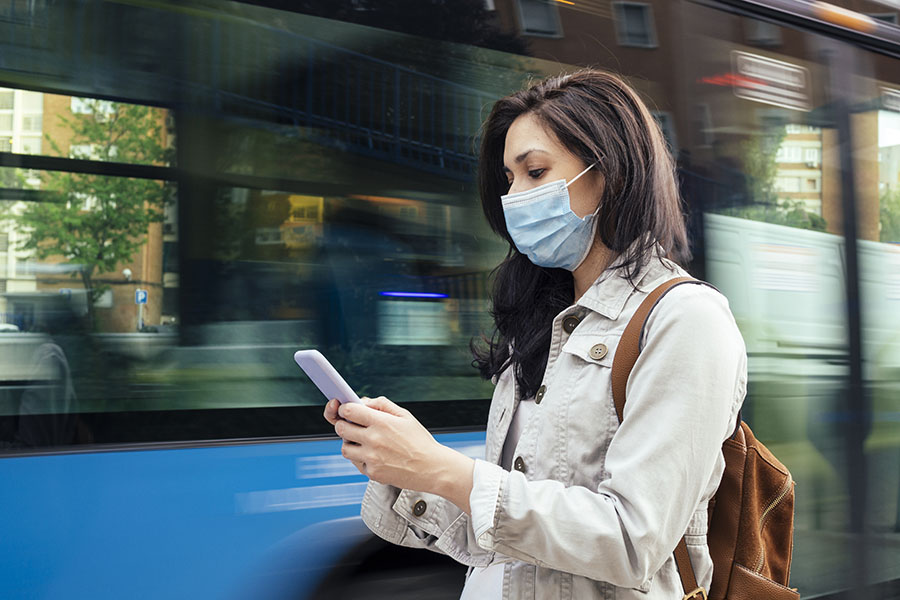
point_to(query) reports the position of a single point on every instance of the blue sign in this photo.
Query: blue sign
(140, 296)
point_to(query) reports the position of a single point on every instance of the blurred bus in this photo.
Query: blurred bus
(191, 191)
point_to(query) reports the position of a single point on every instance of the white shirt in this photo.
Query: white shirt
(484, 583)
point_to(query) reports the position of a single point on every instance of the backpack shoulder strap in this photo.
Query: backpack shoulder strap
(630, 343)
(627, 352)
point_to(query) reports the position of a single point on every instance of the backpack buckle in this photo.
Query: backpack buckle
(698, 594)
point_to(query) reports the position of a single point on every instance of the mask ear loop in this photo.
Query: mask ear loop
(574, 179)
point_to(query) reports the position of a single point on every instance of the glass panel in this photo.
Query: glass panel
(327, 199)
(769, 185)
(876, 157)
(539, 17)
(77, 127)
(72, 271)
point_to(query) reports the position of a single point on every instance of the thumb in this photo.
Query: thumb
(384, 405)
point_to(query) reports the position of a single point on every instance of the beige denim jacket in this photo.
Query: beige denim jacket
(592, 509)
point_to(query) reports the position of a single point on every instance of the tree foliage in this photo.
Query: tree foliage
(99, 222)
(761, 169)
(890, 216)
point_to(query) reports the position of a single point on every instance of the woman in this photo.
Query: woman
(568, 503)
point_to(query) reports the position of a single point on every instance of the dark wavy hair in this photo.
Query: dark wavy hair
(597, 117)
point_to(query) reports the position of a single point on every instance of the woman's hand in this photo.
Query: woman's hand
(387, 444)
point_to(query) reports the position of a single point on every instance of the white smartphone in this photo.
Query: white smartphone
(325, 376)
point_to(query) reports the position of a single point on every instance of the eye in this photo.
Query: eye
(536, 173)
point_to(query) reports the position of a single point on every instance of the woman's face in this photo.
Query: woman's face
(533, 156)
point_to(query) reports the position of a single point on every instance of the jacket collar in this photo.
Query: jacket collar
(611, 291)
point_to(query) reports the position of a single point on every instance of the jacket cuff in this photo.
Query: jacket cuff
(377, 496)
(487, 480)
(424, 511)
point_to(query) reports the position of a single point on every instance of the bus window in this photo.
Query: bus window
(875, 128)
(767, 180)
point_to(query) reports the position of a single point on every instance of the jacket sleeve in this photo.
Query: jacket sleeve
(683, 394)
(441, 527)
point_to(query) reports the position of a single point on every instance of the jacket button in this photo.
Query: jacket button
(598, 351)
(570, 323)
(419, 508)
(519, 464)
(540, 394)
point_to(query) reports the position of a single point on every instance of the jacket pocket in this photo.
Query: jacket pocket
(592, 348)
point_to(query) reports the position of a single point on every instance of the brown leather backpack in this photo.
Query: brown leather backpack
(751, 521)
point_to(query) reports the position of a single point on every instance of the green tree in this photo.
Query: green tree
(10, 181)
(890, 216)
(99, 222)
(761, 169)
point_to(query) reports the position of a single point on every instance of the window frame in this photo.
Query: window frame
(649, 21)
(520, 15)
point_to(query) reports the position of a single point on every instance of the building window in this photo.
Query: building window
(761, 33)
(25, 268)
(634, 24)
(539, 17)
(32, 122)
(6, 122)
(5, 144)
(4, 242)
(6, 99)
(170, 257)
(789, 154)
(811, 155)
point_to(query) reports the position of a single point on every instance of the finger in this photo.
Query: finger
(360, 466)
(359, 414)
(384, 405)
(331, 411)
(353, 453)
(350, 432)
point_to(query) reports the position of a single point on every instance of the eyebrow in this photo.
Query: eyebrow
(522, 156)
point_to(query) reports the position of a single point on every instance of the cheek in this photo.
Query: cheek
(584, 199)
(583, 202)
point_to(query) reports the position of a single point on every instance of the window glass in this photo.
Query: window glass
(32, 122)
(635, 24)
(876, 156)
(771, 186)
(320, 192)
(539, 17)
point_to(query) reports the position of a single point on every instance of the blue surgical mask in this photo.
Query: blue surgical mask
(544, 228)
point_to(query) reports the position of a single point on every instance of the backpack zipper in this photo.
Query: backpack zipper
(762, 519)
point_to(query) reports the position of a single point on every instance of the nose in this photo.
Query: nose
(518, 187)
